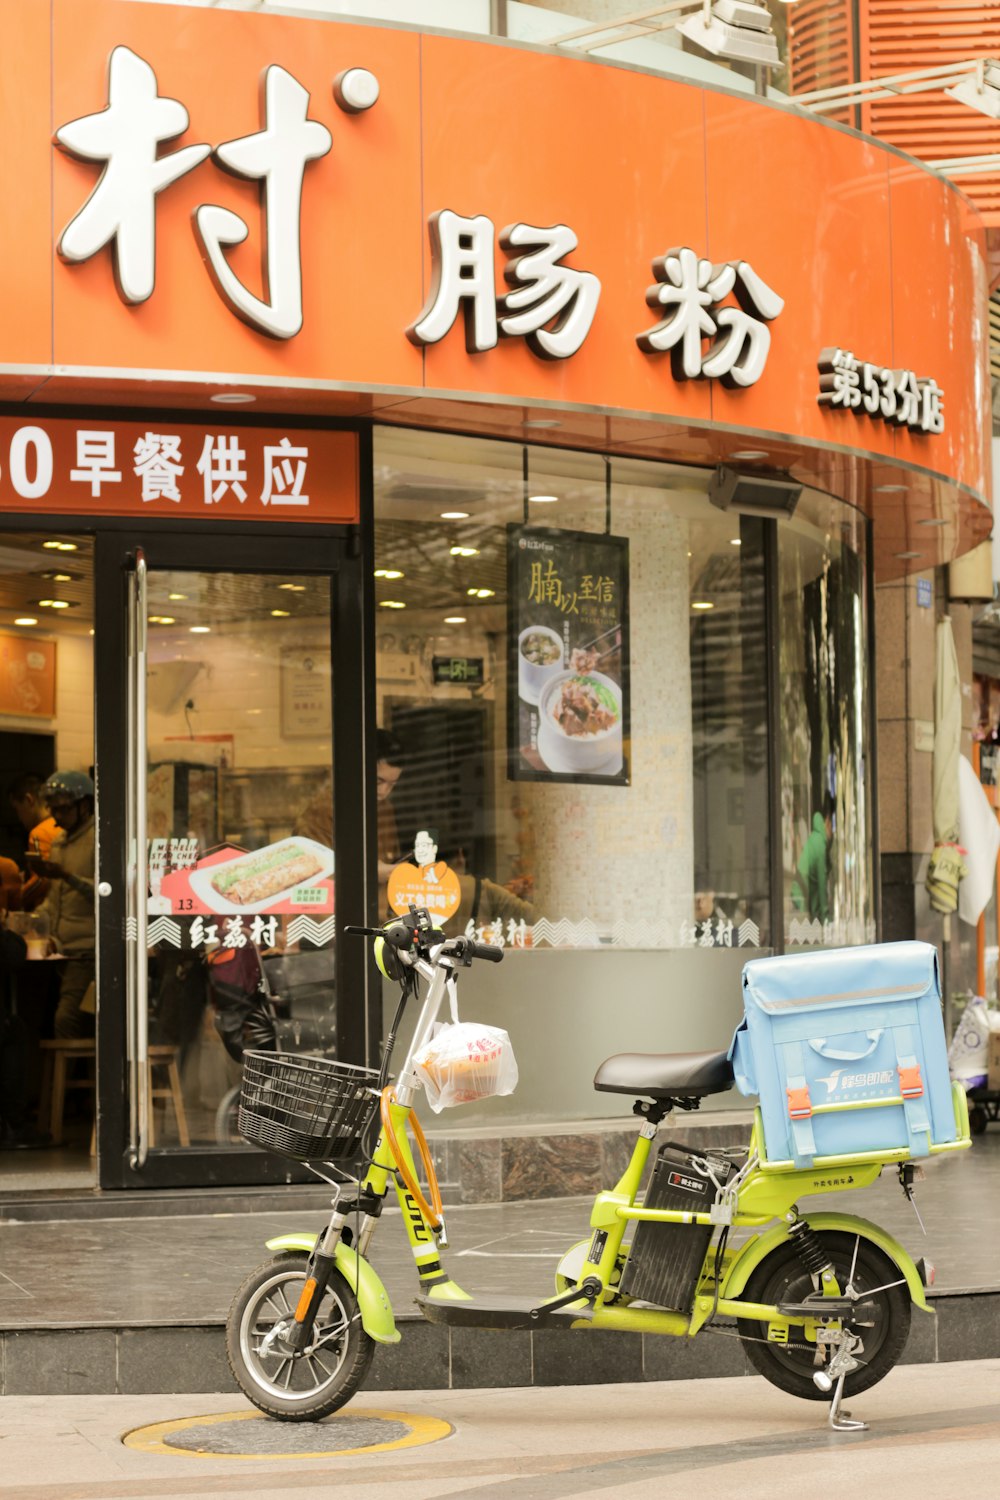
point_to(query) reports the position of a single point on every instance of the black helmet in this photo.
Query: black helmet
(73, 784)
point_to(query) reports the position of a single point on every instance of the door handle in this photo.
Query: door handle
(104, 888)
(137, 872)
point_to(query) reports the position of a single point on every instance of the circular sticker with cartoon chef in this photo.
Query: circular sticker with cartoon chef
(424, 880)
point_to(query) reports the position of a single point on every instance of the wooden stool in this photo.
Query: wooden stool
(162, 1057)
(57, 1056)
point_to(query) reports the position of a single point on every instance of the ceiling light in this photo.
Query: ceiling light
(543, 499)
(25, 620)
(736, 541)
(735, 29)
(177, 596)
(389, 573)
(391, 604)
(56, 546)
(541, 422)
(200, 629)
(749, 453)
(702, 604)
(280, 614)
(233, 398)
(253, 710)
(61, 577)
(53, 604)
(907, 554)
(933, 521)
(296, 588)
(890, 489)
(480, 593)
(454, 619)
(454, 515)
(162, 620)
(465, 551)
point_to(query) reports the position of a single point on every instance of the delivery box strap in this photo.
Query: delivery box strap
(799, 1102)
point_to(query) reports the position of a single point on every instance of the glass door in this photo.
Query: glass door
(218, 856)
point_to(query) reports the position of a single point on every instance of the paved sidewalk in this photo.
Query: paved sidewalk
(934, 1431)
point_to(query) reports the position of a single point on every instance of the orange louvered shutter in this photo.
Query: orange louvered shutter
(821, 48)
(901, 36)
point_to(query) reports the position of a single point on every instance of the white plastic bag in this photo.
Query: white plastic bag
(465, 1061)
(969, 1049)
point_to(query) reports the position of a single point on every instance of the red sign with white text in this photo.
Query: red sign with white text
(170, 468)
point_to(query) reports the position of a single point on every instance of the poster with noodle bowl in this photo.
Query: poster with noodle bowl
(568, 656)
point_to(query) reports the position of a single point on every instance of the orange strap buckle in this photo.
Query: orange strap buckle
(911, 1085)
(799, 1104)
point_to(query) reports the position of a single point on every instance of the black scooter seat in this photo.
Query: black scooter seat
(672, 1075)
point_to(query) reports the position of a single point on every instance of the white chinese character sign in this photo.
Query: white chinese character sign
(896, 396)
(691, 292)
(131, 468)
(125, 139)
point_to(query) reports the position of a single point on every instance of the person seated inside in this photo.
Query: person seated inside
(27, 799)
(69, 904)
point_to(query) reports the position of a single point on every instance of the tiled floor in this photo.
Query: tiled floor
(185, 1269)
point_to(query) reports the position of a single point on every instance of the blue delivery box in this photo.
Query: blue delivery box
(847, 1052)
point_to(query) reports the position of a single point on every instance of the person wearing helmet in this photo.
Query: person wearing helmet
(70, 901)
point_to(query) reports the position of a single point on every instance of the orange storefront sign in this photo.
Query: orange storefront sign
(99, 468)
(505, 168)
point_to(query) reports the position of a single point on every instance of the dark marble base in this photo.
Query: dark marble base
(178, 1360)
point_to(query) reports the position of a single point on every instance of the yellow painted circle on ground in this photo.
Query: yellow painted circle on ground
(332, 1434)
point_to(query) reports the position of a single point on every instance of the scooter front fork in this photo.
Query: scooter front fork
(319, 1269)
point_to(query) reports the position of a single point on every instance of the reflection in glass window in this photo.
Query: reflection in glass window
(825, 715)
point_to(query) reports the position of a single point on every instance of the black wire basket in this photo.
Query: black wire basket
(308, 1108)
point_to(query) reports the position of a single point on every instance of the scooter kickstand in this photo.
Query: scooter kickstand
(842, 1421)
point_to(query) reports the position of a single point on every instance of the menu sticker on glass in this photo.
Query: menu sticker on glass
(568, 656)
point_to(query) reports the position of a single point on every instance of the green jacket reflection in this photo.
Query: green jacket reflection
(809, 891)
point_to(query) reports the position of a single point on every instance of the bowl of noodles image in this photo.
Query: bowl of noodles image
(580, 723)
(539, 656)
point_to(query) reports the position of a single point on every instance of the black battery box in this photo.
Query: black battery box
(665, 1260)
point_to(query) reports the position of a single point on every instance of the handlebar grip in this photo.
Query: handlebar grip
(484, 950)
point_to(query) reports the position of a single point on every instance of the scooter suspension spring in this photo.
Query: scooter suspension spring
(808, 1247)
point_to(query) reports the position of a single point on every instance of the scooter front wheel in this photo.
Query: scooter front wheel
(884, 1329)
(310, 1385)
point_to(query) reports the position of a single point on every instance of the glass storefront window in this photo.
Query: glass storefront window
(571, 659)
(826, 812)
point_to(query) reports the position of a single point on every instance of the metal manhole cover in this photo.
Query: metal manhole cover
(247, 1434)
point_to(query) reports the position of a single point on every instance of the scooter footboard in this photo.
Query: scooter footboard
(759, 1247)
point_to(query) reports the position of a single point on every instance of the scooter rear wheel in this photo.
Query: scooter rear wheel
(783, 1278)
(326, 1375)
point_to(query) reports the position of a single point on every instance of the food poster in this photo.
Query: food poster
(568, 656)
(233, 896)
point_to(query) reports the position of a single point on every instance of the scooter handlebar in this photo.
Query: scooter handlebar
(483, 950)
